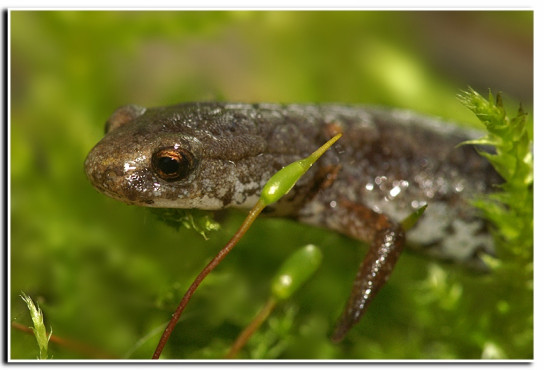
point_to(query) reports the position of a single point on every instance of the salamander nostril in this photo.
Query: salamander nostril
(108, 178)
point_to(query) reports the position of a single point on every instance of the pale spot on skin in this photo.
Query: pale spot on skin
(464, 239)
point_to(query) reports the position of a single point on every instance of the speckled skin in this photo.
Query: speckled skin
(387, 164)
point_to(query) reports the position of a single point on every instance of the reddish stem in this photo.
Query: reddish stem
(209, 268)
(251, 328)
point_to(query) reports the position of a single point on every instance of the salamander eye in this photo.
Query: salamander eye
(172, 164)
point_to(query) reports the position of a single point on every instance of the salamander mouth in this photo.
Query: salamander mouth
(120, 188)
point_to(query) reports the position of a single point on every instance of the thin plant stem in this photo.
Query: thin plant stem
(255, 211)
(251, 328)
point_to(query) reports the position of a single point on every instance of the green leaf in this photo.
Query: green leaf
(412, 219)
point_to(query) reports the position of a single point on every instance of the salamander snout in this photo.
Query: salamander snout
(119, 177)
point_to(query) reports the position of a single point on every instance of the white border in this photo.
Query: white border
(278, 4)
(23, 5)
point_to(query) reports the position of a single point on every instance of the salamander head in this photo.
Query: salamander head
(175, 157)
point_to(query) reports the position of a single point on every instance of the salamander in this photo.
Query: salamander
(388, 163)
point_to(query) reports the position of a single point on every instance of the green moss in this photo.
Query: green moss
(200, 221)
(511, 211)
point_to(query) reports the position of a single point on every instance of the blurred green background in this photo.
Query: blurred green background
(108, 275)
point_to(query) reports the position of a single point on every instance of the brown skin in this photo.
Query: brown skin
(387, 164)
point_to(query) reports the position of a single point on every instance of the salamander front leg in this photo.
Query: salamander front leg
(386, 240)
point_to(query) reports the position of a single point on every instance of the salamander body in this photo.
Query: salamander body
(387, 164)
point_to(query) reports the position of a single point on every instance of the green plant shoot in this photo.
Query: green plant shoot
(39, 328)
(295, 271)
(510, 210)
(283, 180)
